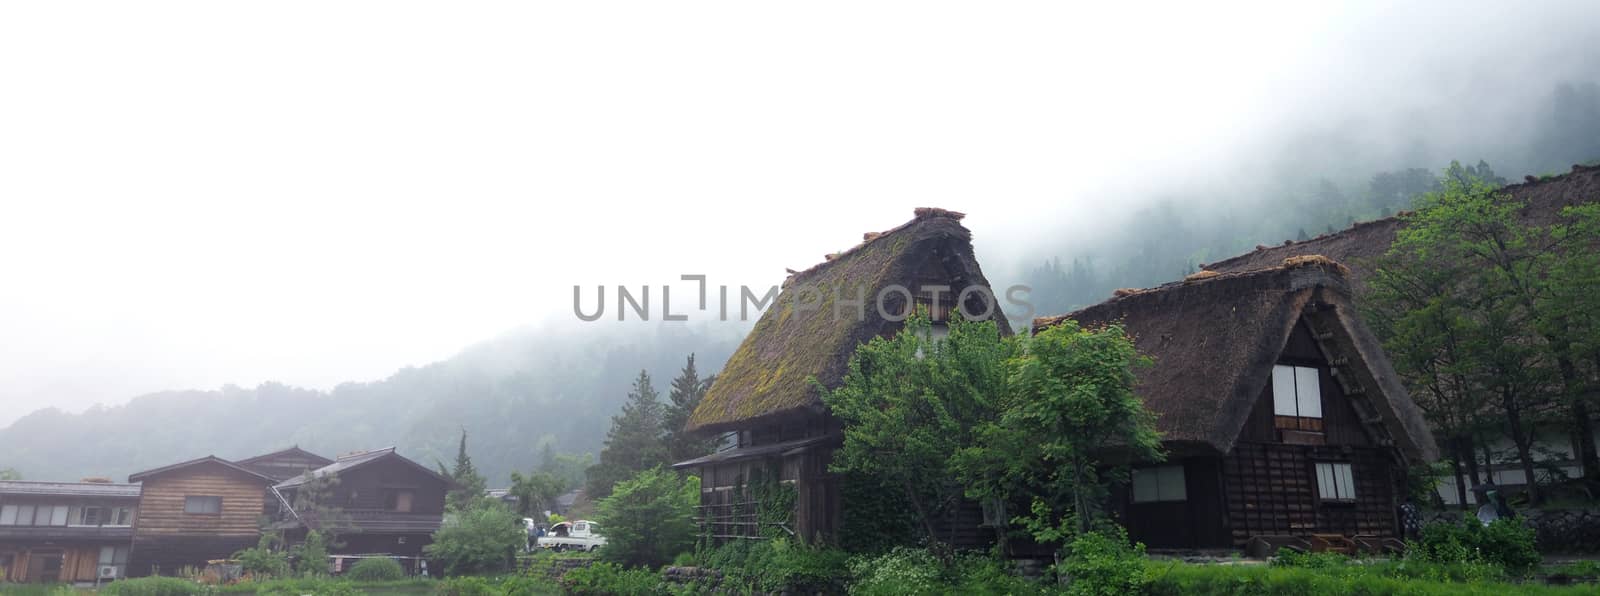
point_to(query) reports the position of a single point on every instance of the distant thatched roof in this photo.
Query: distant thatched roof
(1358, 245)
(766, 377)
(1215, 339)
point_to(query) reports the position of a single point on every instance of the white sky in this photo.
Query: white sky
(194, 194)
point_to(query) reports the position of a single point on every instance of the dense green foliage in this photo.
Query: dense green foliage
(375, 569)
(1103, 564)
(779, 564)
(153, 586)
(263, 560)
(611, 578)
(311, 556)
(1482, 315)
(910, 402)
(482, 539)
(536, 492)
(916, 571)
(1177, 579)
(649, 519)
(1506, 544)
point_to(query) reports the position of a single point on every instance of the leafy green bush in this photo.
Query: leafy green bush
(900, 571)
(1293, 558)
(262, 561)
(916, 571)
(1103, 563)
(311, 557)
(1506, 543)
(649, 519)
(779, 564)
(375, 569)
(1174, 579)
(518, 585)
(481, 539)
(10, 589)
(153, 586)
(611, 579)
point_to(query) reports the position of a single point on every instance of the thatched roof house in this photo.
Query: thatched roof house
(814, 327)
(1358, 245)
(1222, 344)
(764, 395)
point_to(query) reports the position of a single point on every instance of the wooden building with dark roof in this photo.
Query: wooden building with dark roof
(196, 511)
(66, 532)
(389, 505)
(763, 399)
(285, 464)
(1284, 420)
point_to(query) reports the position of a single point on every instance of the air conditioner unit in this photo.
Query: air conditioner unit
(108, 572)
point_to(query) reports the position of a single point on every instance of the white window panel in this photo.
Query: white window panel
(8, 515)
(1283, 391)
(25, 515)
(58, 515)
(1308, 390)
(1172, 484)
(1335, 481)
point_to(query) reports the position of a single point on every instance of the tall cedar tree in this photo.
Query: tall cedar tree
(634, 442)
(469, 484)
(685, 395)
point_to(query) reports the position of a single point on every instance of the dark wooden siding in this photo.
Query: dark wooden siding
(166, 539)
(1192, 523)
(1271, 490)
(366, 487)
(1340, 423)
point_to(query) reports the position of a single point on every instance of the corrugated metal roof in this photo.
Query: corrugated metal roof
(68, 489)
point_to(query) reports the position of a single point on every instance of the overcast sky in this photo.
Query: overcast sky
(194, 194)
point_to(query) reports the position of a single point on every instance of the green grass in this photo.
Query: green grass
(1375, 578)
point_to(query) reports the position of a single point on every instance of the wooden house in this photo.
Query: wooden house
(386, 504)
(67, 532)
(1557, 445)
(777, 426)
(1284, 420)
(196, 511)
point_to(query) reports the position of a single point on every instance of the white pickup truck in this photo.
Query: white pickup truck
(574, 535)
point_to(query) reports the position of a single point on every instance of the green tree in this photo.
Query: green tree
(536, 492)
(1492, 308)
(911, 402)
(316, 507)
(469, 484)
(311, 556)
(1069, 403)
(634, 441)
(264, 560)
(482, 538)
(682, 398)
(649, 518)
(10, 474)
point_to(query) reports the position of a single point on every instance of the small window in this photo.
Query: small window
(1159, 484)
(89, 516)
(202, 504)
(124, 517)
(8, 515)
(1296, 391)
(1335, 482)
(994, 514)
(398, 501)
(25, 515)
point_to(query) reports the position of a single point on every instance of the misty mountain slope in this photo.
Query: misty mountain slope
(512, 394)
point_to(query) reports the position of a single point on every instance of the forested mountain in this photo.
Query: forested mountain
(514, 394)
(1309, 184)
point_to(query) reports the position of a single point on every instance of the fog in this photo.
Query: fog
(198, 194)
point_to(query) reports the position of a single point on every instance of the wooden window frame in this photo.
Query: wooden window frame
(1334, 467)
(187, 498)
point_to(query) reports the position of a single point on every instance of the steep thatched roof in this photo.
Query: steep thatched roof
(766, 378)
(1214, 340)
(1359, 245)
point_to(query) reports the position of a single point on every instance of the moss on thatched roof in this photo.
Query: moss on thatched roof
(800, 337)
(1359, 245)
(1215, 339)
